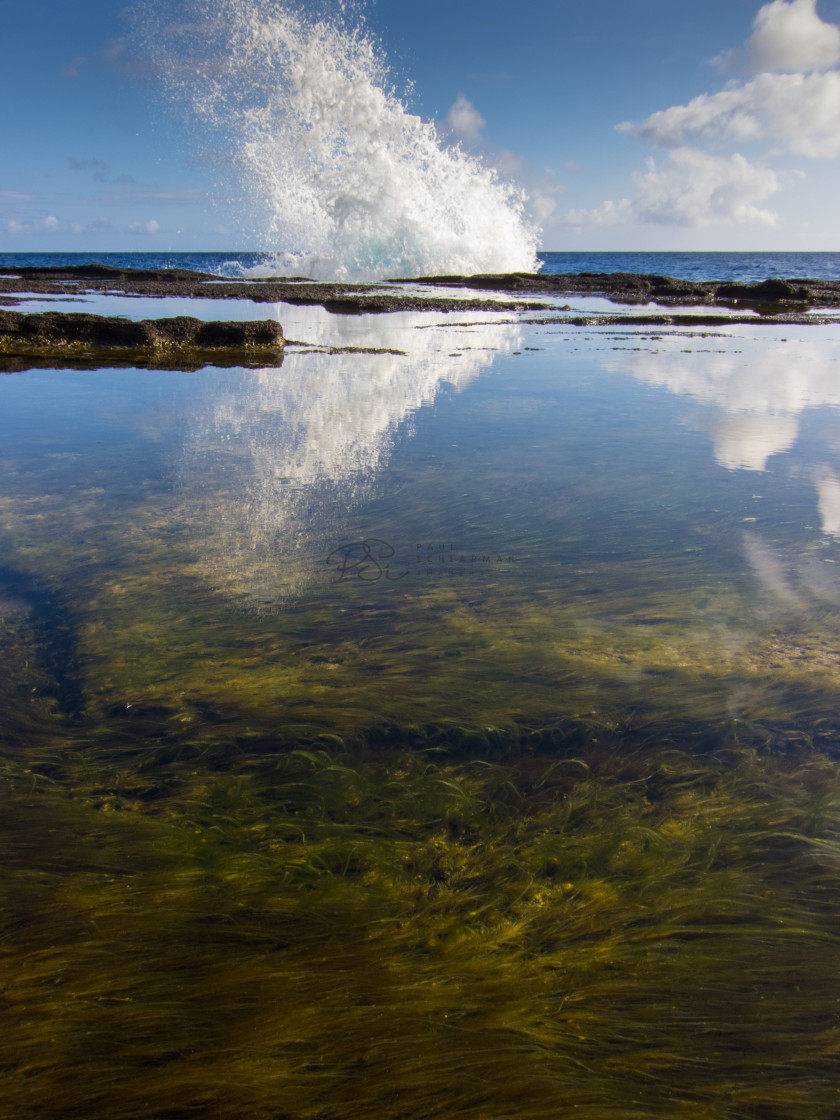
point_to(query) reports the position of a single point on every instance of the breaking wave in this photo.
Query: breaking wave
(344, 182)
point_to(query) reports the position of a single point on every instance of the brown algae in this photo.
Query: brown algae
(630, 930)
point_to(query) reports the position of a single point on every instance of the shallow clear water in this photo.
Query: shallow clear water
(445, 732)
(601, 503)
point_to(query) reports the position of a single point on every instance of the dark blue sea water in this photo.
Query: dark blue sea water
(224, 264)
(743, 267)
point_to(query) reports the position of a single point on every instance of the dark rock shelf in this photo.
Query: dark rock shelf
(770, 297)
(81, 337)
(628, 287)
(343, 299)
(181, 342)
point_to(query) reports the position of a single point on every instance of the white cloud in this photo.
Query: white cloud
(47, 224)
(542, 197)
(609, 214)
(41, 225)
(464, 119)
(787, 36)
(792, 106)
(697, 189)
(801, 110)
(150, 226)
(693, 188)
(51, 224)
(541, 190)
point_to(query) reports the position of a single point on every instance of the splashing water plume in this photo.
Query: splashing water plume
(351, 184)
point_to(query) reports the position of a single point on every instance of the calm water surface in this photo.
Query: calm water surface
(445, 731)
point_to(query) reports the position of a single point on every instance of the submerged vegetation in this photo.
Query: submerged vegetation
(601, 918)
(602, 924)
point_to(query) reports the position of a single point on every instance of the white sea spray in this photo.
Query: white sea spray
(343, 181)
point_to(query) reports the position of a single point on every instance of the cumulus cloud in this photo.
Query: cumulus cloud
(803, 111)
(48, 224)
(791, 106)
(610, 213)
(150, 226)
(464, 119)
(466, 123)
(787, 36)
(696, 188)
(693, 188)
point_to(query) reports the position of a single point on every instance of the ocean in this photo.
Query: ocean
(738, 267)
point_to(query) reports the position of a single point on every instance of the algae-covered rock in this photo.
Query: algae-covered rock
(631, 287)
(56, 334)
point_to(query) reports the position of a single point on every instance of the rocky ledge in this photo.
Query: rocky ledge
(183, 340)
(342, 299)
(769, 298)
(629, 287)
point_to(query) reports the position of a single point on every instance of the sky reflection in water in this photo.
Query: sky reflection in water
(613, 508)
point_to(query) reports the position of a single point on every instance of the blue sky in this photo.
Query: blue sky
(631, 126)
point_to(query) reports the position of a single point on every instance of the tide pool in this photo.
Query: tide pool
(445, 731)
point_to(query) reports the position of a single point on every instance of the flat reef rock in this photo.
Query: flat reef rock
(343, 299)
(54, 335)
(629, 287)
(769, 298)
